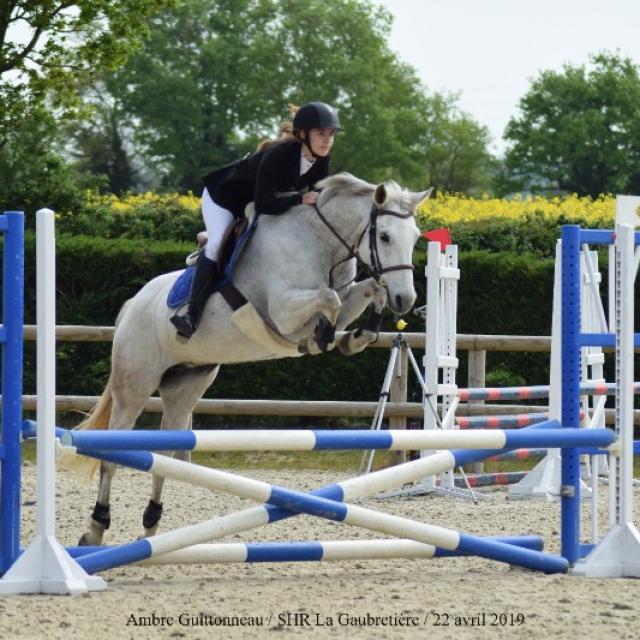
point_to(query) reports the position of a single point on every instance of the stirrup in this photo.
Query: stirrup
(192, 258)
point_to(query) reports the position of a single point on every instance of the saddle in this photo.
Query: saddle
(237, 238)
(245, 316)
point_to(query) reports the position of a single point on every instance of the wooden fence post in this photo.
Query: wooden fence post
(398, 393)
(476, 378)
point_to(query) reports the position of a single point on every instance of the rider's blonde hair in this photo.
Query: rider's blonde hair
(285, 129)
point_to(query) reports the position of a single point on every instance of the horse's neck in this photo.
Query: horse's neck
(348, 217)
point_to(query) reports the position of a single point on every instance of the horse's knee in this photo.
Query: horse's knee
(331, 305)
(379, 297)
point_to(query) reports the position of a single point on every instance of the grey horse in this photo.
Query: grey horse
(298, 270)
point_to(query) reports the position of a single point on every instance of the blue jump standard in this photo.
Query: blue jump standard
(12, 228)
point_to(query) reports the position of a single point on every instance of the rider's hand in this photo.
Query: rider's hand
(311, 197)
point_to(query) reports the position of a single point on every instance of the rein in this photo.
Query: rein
(375, 268)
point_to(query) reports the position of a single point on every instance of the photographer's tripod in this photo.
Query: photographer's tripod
(399, 347)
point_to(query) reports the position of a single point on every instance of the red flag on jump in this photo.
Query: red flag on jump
(440, 235)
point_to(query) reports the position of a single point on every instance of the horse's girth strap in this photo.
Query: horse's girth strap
(232, 296)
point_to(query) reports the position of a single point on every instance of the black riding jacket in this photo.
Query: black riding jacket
(262, 176)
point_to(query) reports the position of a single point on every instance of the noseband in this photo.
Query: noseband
(375, 268)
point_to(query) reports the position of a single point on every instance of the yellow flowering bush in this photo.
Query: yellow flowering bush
(528, 224)
(168, 216)
(454, 208)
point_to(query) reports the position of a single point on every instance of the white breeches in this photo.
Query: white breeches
(218, 222)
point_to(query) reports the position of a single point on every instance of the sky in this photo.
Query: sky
(490, 50)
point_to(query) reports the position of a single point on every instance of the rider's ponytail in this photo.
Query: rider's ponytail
(285, 129)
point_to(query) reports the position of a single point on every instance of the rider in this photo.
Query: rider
(293, 163)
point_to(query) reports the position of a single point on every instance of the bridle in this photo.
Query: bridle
(375, 269)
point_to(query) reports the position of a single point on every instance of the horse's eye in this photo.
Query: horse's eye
(384, 237)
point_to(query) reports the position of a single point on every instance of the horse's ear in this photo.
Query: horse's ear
(380, 195)
(421, 197)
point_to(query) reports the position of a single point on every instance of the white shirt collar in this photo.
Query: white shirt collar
(305, 164)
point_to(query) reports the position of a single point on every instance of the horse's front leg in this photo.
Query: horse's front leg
(292, 310)
(357, 299)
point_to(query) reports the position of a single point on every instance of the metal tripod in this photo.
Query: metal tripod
(398, 346)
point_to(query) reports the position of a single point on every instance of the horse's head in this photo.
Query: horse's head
(387, 246)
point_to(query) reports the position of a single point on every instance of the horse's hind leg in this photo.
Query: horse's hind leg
(126, 408)
(180, 390)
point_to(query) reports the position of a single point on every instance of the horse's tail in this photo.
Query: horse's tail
(97, 418)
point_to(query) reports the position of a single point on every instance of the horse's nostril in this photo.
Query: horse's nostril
(398, 301)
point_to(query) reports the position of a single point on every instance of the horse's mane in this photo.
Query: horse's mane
(345, 184)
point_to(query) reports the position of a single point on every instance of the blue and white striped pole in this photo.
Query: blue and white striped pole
(351, 489)
(334, 550)
(297, 502)
(234, 523)
(321, 440)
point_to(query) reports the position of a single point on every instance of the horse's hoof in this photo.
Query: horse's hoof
(87, 540)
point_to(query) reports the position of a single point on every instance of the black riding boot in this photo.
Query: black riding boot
(203, 281)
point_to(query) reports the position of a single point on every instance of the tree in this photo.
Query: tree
(48, 48)
(457, 155)
(215, 76)
(32, 174)
(64, 40)
(579, 131)
(100, 142)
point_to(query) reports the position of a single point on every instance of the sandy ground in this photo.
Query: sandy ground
(445, 598)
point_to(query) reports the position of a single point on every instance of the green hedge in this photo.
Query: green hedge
(501, 293)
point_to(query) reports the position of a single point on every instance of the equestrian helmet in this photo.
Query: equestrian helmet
(316, 115)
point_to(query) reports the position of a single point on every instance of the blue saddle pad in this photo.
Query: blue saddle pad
(179, 293)
(181, 289)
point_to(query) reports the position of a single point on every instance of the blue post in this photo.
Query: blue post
(570, 500)
(12, 224)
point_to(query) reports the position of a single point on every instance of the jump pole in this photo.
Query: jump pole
(546, 434)
(45, 566)
(327, 551)
(353, 488)
(328, 508)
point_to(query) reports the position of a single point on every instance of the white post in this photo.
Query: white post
(432, 337)
(543, 481)
(442, 274)
(45, 566)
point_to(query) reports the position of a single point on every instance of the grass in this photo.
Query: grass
(339, 461)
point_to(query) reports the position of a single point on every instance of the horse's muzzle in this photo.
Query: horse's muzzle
(401, 304)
